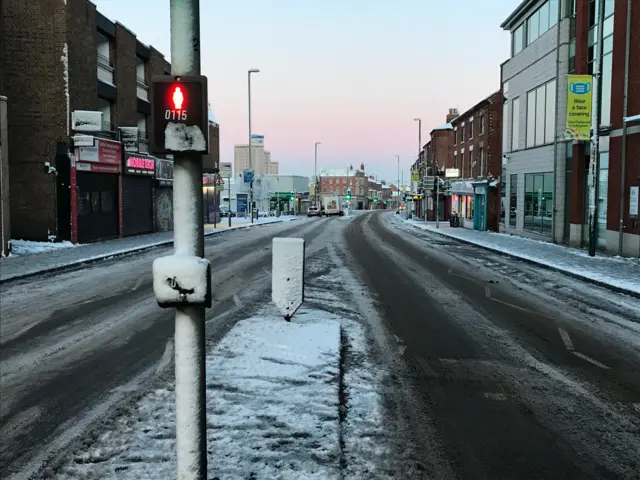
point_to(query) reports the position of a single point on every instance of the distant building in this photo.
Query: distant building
(340, 181)
(260, 158)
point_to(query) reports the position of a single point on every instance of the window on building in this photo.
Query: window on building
(517, 40)
(483, 123)
(515, 124)
(503, 194)
(470, 129)
(538, 201)
(505, 127)
(541, 115)
(533, 27)
(482, 160)
(455, 136)
(607, 46)
(513, 199)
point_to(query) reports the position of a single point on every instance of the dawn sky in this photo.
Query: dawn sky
(351, 74)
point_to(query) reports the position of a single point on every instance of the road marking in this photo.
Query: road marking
(566, 339)
(591, 360)
(427, 369)
(495, 396)
(222, 315)
(166, 357)
(513, 306)
(636, 406)
(487, 291)
(137, 284)
(265, 270)
(236, 300)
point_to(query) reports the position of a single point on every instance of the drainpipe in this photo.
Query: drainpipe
(555, 136)
(625, 108)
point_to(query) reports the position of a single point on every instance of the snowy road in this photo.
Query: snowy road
(517, 372)
(79, 343)
(470, 364)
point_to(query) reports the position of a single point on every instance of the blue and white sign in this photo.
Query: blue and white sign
(242, 203)
(247, 175)
(257, 139)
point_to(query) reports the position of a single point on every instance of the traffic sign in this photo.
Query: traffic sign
(248, 175)
(179, 114)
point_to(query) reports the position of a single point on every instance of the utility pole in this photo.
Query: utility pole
(229, 199)
(398, 157)
(315, 163)
(180, 126)
(437, 194)
(594, 161)
(251, 70)
(419, 120)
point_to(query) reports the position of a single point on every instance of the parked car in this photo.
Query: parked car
(314, 211)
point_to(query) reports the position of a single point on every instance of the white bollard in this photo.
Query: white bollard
(287, 275)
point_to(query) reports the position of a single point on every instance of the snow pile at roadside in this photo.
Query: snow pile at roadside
(618, 272)
(272, 410)
(24, 247)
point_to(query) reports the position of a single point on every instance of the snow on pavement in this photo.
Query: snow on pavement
(623, 273)
(25, 247)
(272, 410)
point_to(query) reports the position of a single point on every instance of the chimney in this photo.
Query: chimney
(453, 113)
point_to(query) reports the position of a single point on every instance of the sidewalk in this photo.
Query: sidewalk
(273, 401)
(616, 273)
(34, 258)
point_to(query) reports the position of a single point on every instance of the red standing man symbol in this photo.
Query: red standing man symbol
(178, 98)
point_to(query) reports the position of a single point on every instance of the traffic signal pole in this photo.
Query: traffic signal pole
(188, 240)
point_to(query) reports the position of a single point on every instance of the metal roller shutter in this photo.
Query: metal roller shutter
(137, 205)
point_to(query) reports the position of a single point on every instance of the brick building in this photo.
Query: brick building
(476, 164)
(339, 182)
(63, 65)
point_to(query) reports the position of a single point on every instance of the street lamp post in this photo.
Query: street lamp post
(315, 163)
(398, 158)
(251, 70)
(419, 120)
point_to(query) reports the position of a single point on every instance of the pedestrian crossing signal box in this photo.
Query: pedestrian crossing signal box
(179, 114)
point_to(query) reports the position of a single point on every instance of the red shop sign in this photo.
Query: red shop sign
(139, 165)
(103, 151)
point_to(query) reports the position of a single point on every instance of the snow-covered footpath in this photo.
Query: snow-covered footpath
(284, 400)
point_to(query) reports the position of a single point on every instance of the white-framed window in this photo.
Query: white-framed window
(541, 109)
(515, 124)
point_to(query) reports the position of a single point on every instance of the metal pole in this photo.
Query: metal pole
(437, 196)
(315, 163)
(625, 112)
(398, 157)
(594, 163)
(250, 164)
(188, 239)
(555, 133)
(229, 199)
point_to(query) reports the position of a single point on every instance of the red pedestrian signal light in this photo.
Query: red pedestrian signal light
(179, 114)
(177, 97)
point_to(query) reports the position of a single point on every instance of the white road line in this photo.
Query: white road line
(222, 315)
(566, 339)
(427, 369)
(166, 357)
(265, 270)
(137, 284)
(487, 291)
(591, 360)
(236, 300)
(513, 306)
(495, 396)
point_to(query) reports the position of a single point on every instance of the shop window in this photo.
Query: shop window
(538, 201)
(106, 201)
(469, 212)
(513, 199)
(503, 195)
(84, 203)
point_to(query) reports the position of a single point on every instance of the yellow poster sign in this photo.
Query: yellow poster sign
(579, 107)
(415, 176)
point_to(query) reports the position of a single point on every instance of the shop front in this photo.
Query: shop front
(163, 193)
(480, 206)
(462, 202)
(95, 171)
(137, 194)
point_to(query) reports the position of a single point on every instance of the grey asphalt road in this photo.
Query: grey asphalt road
(78, 343)
(515, 371)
